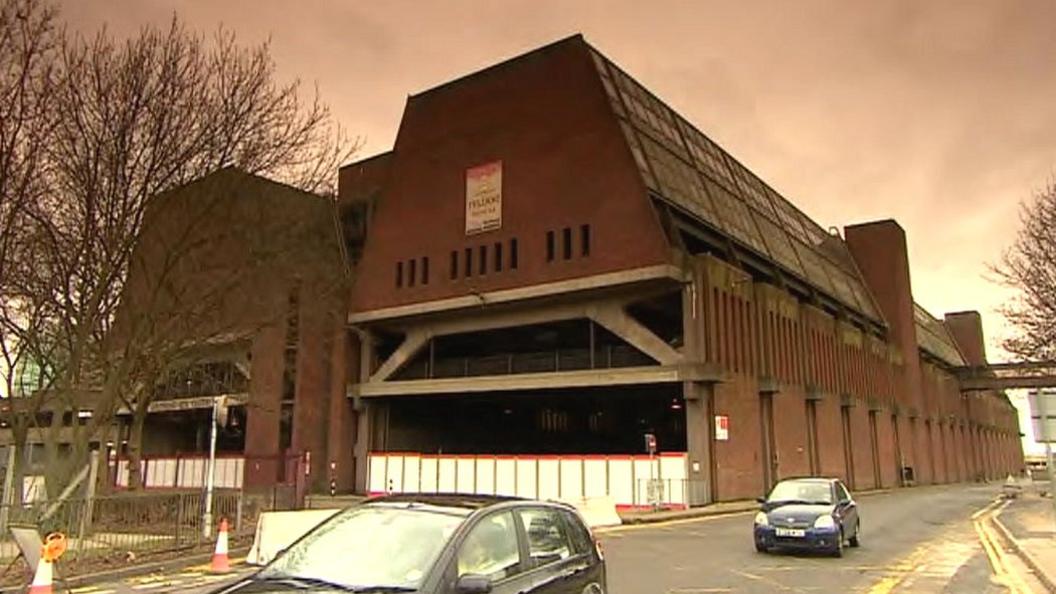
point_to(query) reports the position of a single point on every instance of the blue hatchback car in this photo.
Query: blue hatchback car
(808, 514)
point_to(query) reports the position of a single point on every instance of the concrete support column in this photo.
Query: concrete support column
(699, 440)
(362, 447)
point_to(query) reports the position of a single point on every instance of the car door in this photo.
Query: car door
(846, 509)
(554, 562)
(589, 570)
(492, 548)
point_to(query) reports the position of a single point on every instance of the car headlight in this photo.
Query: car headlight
(761, 519)
(825, 521)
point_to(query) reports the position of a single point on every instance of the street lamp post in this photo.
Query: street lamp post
(210, 472)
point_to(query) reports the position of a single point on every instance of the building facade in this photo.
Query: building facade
(552, 271)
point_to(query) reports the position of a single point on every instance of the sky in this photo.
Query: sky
(940, 114)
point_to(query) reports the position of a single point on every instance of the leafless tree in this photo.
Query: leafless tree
(29, 42)
(132, 121)
(1029, 266)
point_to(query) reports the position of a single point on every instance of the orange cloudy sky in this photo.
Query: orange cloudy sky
(941, 115)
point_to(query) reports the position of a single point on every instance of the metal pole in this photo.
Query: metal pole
(1042, 401)
(8, 498)
(210, 471)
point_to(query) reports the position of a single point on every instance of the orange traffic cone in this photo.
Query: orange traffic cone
(54, 547)
(221, 564)
(42, 578)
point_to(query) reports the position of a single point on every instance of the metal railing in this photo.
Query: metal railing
(570, 359)
(669, 493)
(147, 523)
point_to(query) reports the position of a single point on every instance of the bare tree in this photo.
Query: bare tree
(29, 40)
(134, 120)
(1029, 266)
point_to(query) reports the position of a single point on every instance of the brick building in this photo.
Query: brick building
(551, 264)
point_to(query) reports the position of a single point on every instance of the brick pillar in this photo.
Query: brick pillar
(262, 411)
(879, 249)
(312, 393)
(342, 422)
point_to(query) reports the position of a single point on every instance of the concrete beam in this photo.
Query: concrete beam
(611, 279)
(534, 381)
(615, 319)
(609, 313)
(1007, 383)
(410, 346)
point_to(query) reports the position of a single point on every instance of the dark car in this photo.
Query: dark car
(440, 544)
(813, 514)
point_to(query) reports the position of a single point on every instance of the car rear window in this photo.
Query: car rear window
(580, 535)
(548, 540)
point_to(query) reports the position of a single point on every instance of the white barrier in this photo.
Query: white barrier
(597, 512)
(176, 471)
(278, 530)
(623, 480)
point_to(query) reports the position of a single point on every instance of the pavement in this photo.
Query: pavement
(195, 579)
(1030, 525)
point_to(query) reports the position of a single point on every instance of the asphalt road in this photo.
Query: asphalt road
(917, 540)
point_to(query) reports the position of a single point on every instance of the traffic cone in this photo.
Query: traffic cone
(54, 547)
(42, 578)
(221, 564)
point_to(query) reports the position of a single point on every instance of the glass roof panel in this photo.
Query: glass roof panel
(679, 182)
(682, 165)
(736, 217)
(780, 246)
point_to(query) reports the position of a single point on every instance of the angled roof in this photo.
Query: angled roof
(686, 169)
(934, 338)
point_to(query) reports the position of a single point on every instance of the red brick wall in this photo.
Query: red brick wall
(790, 432)
(564, 164)
(738, 461)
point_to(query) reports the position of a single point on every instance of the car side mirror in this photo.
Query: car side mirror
(473, 584)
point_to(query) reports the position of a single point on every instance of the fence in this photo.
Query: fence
(114, 526)
(537, 477)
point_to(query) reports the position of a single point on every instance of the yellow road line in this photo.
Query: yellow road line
(995, 552)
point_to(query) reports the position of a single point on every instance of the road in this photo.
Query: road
(916, 540)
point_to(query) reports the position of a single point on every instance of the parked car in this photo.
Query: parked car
(813, 514)
(440, 544)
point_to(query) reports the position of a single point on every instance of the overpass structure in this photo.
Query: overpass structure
(1007, 376)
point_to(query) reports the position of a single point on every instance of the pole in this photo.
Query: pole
(8, 498)
(1043, 405)
(210, 471)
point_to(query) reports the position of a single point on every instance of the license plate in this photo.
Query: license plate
(794, 532)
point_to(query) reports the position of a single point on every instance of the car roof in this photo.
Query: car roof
(459, 500)
(468, 503)
(808, 479)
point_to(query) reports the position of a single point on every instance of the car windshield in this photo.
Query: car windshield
(804, 491)
(371, 546)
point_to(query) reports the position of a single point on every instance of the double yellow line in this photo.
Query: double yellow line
(995, 552)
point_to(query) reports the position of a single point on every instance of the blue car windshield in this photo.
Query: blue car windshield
(373, 545)
(802, 491)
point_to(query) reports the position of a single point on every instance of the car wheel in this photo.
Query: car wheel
(761, 548)
(857, 532)
(837, 551)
